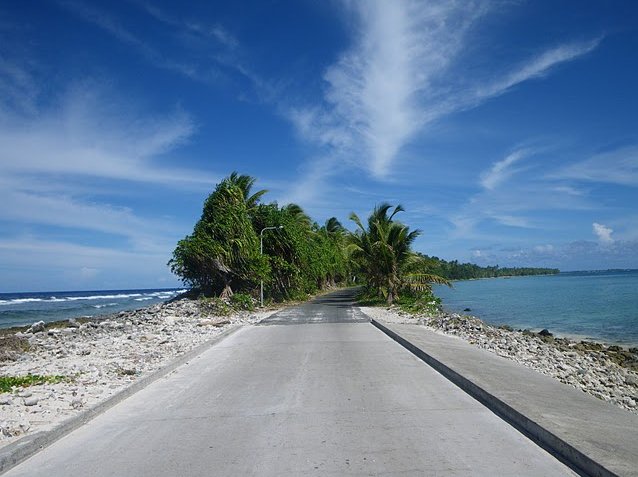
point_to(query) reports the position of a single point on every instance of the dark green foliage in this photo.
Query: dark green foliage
(241, 301)
(383, 255)
(464, 271)
(302, 256)
(222, 253)
(422, 302)
(214, 306)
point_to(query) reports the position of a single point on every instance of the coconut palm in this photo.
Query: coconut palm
(383, 251)
(245, 183)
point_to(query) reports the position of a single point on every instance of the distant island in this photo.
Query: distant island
(466, 271)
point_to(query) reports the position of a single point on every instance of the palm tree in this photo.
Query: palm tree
(298, 214)
(245, 183)
(383, 250)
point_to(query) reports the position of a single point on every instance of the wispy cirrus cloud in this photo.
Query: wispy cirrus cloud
(17, 86)
(52, 157)
(31, 263)
(215, 31)
(398, 77)
(536, 67)
(619, 166)
(91, 132)
(200, 65)
(502, 170)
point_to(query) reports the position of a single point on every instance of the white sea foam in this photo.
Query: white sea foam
(162, 295)
(105, 305)
(21, 300)
(103, 297)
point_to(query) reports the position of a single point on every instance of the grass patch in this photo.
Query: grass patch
(413, 303)
(7, 383)
(423, 303)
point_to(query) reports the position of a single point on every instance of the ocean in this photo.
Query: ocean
(598, 305)
(20, 309)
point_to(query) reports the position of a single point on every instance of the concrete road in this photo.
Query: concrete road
(315, 390)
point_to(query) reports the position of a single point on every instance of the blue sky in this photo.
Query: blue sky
(507, 129)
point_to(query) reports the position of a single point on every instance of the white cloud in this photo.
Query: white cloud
(619, 166)
(52, 159)
(502, 170)
(537, 67)
(28, 263)
(397, 77)
(521, 206)
(603, 233)
(544, 249)
(578, 255)
(512, 221)
(111, 25)
(17, 87)
(91, 132)
(66, 211)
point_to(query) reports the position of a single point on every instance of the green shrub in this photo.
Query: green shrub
(7, 383)
(214, 306)
(242, 301)
(420, 303)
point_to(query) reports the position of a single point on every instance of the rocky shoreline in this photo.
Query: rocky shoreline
(609, 373)
(93, 359)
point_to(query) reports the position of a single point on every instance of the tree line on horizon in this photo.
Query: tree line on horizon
(453, 270)
(222, 256)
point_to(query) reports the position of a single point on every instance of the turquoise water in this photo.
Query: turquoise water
(602, 306)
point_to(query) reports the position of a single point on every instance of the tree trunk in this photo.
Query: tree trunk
(227, 292)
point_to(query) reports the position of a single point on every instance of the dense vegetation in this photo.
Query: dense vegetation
(223, 256)
(465, 271)
(382, 254)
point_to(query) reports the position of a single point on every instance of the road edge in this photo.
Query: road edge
(19, 451)
(558, 447)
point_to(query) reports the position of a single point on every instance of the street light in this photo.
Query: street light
(261, 251)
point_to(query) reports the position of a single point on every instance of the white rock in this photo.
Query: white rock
(36, 327)
(31, 401)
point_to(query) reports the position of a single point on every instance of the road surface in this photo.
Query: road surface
(313, 390)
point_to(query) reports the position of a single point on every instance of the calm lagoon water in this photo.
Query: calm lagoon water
(602, 306)
(19, 309)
